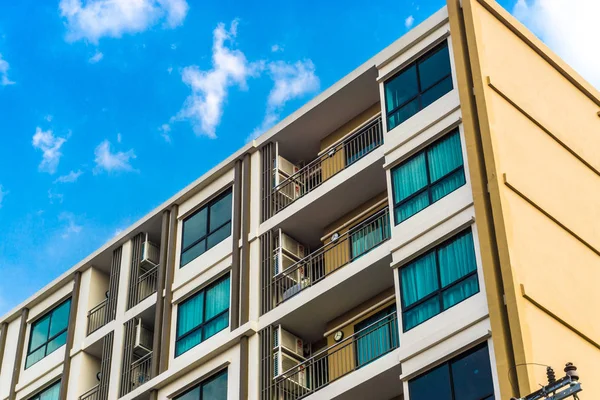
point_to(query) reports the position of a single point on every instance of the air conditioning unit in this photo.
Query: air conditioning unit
(288, 342)
(288, 251)
(283, 362)
(142, 343)
(286, 167)
(150, 252)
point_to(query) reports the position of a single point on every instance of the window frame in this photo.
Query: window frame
(428, 54)
(448, 364)
(37, 395)
(439, 292)
(205, 322)
(207, 206)
(48, 338)
(205, 382)
(428, 188)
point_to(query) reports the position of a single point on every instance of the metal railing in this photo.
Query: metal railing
(334, 362)
(92, 394)
(328, 164)
(138, 374)
(97, 317)
(337, 253)
(147, 283)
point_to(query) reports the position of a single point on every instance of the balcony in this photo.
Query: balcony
(144, 269)
(94, 393)
(97, 317)
(340, 251)
(138, 373)
(291, 183)
(338, 360)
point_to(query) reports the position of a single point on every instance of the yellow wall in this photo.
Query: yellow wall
(339, 254)
(342, 358)
(337, 162)
(540, 136)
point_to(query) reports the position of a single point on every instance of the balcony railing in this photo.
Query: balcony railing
(97, 317)
(92, 394)
(147, 284)
(138, 374)
(334, 160)
(346, 248)
(334, 362)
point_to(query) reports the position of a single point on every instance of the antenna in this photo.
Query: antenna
(554, 389)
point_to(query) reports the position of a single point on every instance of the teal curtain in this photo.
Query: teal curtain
(421, 313)
(457, 259)
(190, 315)
(444, 157)
(376, 336)
(407, 179)
(370, 236)
(215, 388)
(460, 292)
(217, 301)
(50, 393)
(419, 279)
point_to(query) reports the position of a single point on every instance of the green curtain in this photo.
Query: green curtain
(51, 393)
(444, 157)
(460, 292)
(407, 179)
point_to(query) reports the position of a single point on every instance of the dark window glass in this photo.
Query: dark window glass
(418, 85)
(437, 280)
(466, 377)
(48, 333)
(206, 228)
(433, 385)
(203, 315)
(214, 388)
(50, 393)
(427, 176)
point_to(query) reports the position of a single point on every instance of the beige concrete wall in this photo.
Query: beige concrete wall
(84, 368)
(540, 135)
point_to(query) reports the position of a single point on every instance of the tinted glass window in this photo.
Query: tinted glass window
(432, 385)
(214, 388)
(205, 229)
(48, 333)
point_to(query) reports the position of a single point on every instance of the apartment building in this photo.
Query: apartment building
(423, 229)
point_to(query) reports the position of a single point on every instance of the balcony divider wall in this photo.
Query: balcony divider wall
(266, 272)
(134, 275)
(107, 349)
(265, 337)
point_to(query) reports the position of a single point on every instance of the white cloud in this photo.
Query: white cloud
(119, 138)
(71, 226)
(55, 197)
(108, 161)
(173, 46)
(94, 19)
(290, 81)
(570, 28)
(3, 194)
(169, 70)
(50, 146)
(409, 21)
(4, 66)
(96, 57)
(49, 117)
(204, 107)
(276, 48)
(165, 130)
(70, 177)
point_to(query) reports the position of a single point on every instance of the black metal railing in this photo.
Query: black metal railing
(147, 284)
(337, 253)
(97, 317)
(328, 164)
(334, 362)
(138, 373)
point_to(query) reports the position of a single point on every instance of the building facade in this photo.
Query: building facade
(423, 229)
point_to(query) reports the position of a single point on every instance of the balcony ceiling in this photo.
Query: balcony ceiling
(300, 140)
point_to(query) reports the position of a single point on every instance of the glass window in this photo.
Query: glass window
(427, 176)
(50, 393)
(439, 279)
(206, 228)
(418, 85)
(202, 316)
(466, 377)
(48, 333)
(214, 388)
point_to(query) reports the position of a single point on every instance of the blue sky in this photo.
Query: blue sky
(100, 99)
